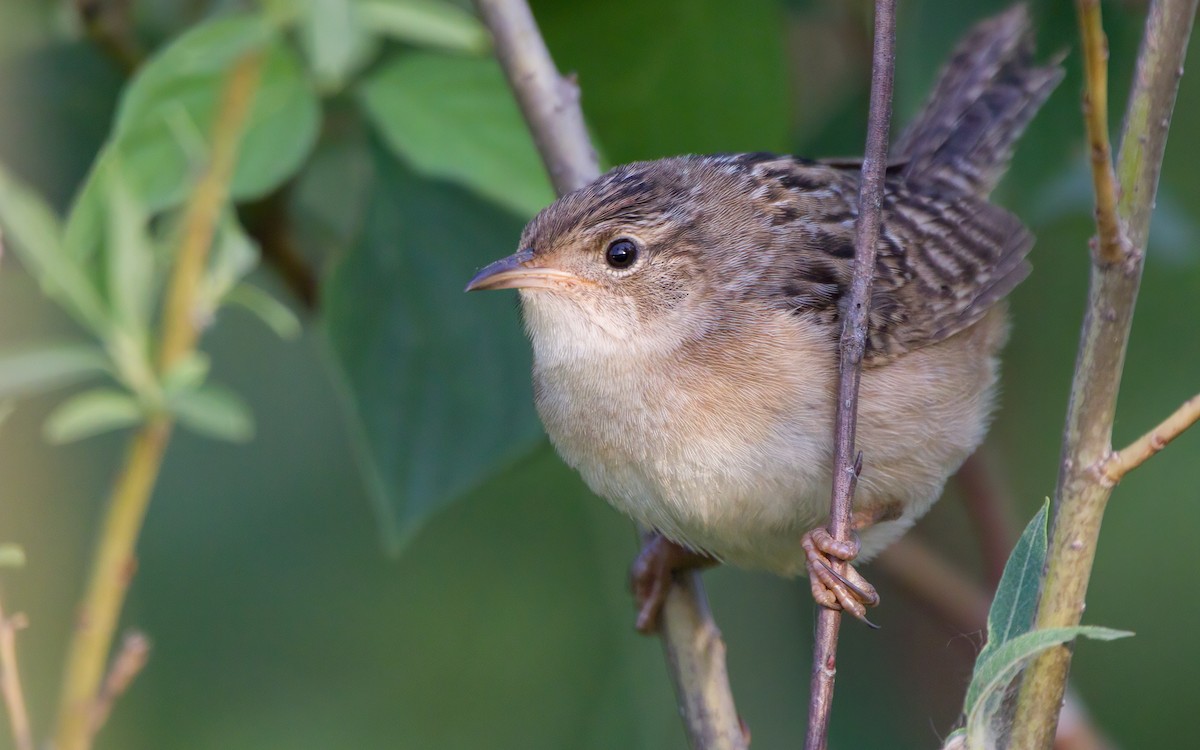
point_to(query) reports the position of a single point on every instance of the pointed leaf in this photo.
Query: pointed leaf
(333, 39)
(166, 115)
(234, 255)
(34, 232)
(129, 251)
(214, 412)
(1000, 666)
(427, 23)
(273, 313)
(45, 367)
(1015, 603)
(455, 118)
(437, 381)
(92, 413)
(187, 375)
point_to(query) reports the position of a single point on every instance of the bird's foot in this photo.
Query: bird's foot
(847, 591)
(653, 572)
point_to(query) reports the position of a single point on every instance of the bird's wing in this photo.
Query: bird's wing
(942, 259)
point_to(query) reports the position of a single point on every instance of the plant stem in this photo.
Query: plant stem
(1132, 456)
(1082, 491)
(115, 562)
(852, 345)
(112, 570)
(10, 682)
(550, 104)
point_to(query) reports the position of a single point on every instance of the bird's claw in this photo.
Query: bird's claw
(847, 591)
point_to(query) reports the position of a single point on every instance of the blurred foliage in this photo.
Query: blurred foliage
(405, 406)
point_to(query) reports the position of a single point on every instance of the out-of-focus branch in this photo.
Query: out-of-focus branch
(852, 346)
(1129, 458)
(268, 221)
(115, 561)
(131, 659)
(10, 681)
(1083, 491)
(550, 104)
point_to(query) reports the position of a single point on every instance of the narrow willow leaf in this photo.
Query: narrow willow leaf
(997, 669)
(428, 23)
(34, 232)
(455, 118)
(36, 369)
(188, 374)
(92, 413)
(214, 412)
(167, 112)
(11, 556)
(234, 255)
(334, 40)
(273, 313)
(1015, 603)
(128, 252)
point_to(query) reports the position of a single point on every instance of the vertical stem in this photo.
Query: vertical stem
(1087, 440)
(853, 343)
(115, 562)
(112, 570)
(10, 682)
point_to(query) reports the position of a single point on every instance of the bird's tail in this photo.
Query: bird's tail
(984, 98)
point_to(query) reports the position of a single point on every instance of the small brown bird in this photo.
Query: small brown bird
(685, 315)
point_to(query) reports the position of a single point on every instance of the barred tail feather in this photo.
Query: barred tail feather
(984, 98)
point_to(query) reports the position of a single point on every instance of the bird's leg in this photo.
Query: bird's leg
(652, 575)
(847, 591)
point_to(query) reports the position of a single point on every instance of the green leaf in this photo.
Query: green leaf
(677, 76)
(334, 40)
(455, 118)
(35, 233)
(12, 556)
(273, 313)
(188, 374)
(1015, 603)
(214, 412)
(166, 116)
(995, 672)
(44, 367)
(129, 252)
(234, 255)
(425, 22)
(437, 382)
(92, 413)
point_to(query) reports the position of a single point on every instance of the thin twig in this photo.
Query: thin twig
(1082, 493)
(550, 105)
(130, 660)
(10, 681)
(1111, 246)
(853, 343)
(1132, 456)
(549, 102)
(115, 562)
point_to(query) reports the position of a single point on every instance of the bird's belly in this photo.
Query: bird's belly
(739, 484)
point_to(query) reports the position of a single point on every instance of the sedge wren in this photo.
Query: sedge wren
(685, 313)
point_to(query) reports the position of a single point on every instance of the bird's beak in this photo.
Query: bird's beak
(515, 272)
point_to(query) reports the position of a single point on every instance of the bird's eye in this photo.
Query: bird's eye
(621, 253)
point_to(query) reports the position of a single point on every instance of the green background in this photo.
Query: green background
(399, 560)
